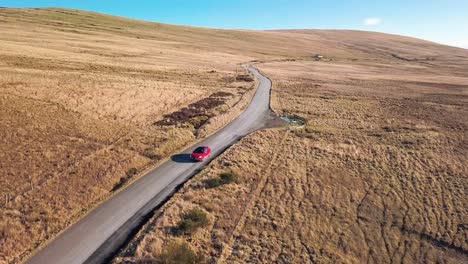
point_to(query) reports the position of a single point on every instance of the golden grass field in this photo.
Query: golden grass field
(77, 114)
(378, 175)
(88, 101)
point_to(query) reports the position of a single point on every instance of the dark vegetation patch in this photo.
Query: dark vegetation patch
(310, 132)
(150, 153)
(224, 178)
(207, 103)
(196, 113)
(130, 173)
(221, 94)
(198, 121)
(402, 58)
(176, 253)
(191, 221)
(244, 78)
(238, 78)
(412, 59)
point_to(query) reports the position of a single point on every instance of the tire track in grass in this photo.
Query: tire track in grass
(227, 249)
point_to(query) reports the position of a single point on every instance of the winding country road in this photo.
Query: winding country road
(96, 236)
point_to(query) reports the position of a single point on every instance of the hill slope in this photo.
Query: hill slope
(88, 101)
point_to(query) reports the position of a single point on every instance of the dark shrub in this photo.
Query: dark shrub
(244, 77)
(224, 178)
(131, 172)
(228, 177)
(191, 221)
(213, 183)
(198, 121)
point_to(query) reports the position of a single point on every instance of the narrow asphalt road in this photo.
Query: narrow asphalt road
(95, 237)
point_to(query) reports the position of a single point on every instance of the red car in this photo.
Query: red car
(201, 153)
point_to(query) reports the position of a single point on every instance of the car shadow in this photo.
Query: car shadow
(182, 158)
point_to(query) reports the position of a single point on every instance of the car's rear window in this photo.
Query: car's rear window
(199, 150)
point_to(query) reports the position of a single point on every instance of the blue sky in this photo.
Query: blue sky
(443, 21)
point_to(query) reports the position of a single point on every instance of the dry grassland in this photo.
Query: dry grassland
(378, 175)
(78, 113)
(88, 100)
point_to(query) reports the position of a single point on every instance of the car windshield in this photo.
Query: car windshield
(199, 150)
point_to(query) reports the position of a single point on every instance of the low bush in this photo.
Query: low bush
(131, 172)
(228, 177)
(176, 253)
(224, 178)
(149, 153)
(191, 221)
(128, 175)
(213, 183)
(198, 121)
(244, 77)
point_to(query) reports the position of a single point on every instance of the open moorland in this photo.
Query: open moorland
(86, 106)
(377, 175)
(89, 101)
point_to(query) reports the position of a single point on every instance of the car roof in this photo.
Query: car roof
(206, 148)
(201, 148)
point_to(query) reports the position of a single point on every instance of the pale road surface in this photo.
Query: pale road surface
(100, 233)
